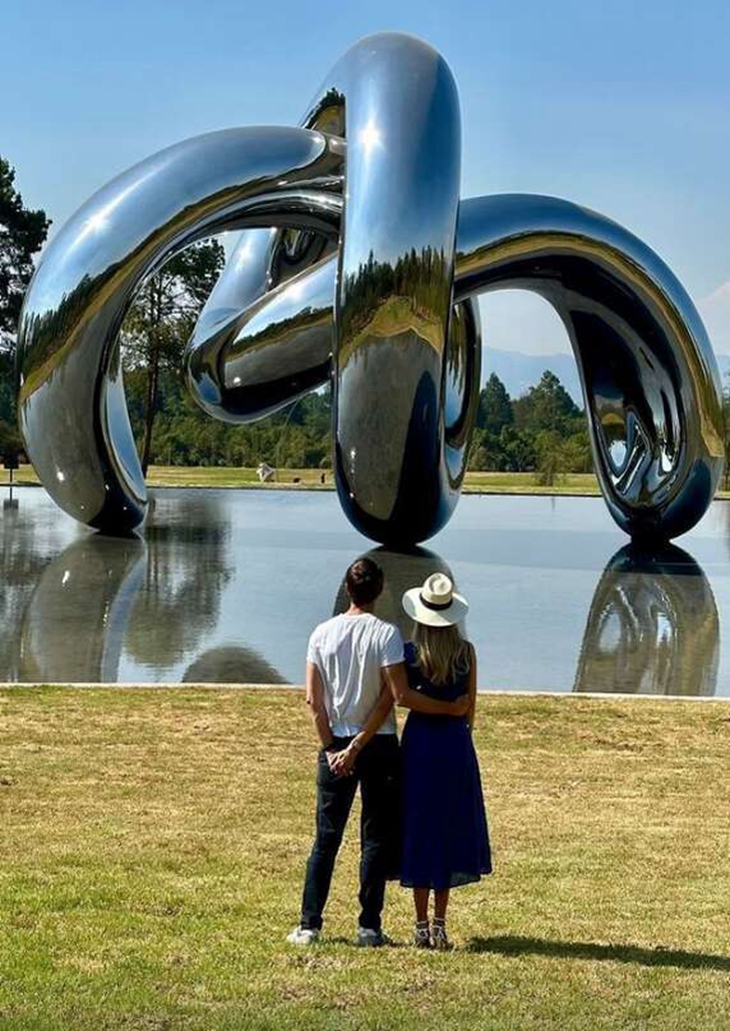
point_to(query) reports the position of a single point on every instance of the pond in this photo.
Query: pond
(226, 585)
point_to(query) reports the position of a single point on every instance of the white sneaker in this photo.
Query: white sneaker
(370, 938)
(303, 936)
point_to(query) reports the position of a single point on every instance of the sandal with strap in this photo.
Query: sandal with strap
(439, 937)
(422, 935)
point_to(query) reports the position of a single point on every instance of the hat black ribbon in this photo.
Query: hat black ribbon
(436, 606)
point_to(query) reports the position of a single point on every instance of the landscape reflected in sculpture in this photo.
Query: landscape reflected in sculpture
(367, 278)
(559, 602)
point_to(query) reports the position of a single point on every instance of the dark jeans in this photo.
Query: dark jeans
(377, 772)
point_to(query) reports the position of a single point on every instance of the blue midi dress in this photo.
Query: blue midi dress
(445, 836)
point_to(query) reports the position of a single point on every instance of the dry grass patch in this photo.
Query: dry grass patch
(153, 845)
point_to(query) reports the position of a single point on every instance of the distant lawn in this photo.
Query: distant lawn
(153, 843)
(526, 483)
(222, 476)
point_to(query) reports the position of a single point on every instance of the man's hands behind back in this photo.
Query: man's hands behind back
(342, 763)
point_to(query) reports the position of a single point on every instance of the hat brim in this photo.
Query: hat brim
(420, 613)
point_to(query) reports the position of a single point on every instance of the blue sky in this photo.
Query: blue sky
(622, 106)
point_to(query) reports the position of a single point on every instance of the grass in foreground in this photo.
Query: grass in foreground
(153, 844)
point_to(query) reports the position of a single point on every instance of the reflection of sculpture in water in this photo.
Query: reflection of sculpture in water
(401, 570)
(188, 566)
(153, 600)
(653, 627)
(75, 622)
(232, 664)
(23, 556)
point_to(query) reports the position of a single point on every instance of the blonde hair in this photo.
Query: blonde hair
(442, 653)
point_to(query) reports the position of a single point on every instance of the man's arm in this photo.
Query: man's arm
(315, 701)
(345, 760)
(404, 695)
(375, 720)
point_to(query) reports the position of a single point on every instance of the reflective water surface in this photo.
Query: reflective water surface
(226, 585)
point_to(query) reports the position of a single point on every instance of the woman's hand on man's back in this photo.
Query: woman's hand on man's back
(462, 705)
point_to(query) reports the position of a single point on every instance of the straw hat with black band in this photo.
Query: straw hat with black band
(435, 603)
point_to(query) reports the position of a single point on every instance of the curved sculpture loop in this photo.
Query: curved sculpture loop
(359, 265)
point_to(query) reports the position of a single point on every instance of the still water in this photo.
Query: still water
(226, 585)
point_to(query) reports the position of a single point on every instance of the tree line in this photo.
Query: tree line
(22, 234)
(542, 431)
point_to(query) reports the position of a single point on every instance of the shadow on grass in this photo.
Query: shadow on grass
(515, 945)
(342, 940)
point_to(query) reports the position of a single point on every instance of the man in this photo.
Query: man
(355, 672)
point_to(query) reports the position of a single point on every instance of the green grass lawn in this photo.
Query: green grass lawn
(153, 844)
(291, 479)
(526, 483)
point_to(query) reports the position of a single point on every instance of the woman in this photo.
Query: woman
(445, 837)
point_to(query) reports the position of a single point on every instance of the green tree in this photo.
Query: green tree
(517, 449)
(22, 234)
(159, 323)
(7, 388)
(550, 457)
(495, 407)
(10, 441)
(577, 454)
(478, 457)
(547, 406)
(557, 455)
(486, 453)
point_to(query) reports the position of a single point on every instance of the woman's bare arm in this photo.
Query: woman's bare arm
(397, 681)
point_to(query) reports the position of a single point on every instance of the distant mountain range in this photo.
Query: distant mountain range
(520, 371)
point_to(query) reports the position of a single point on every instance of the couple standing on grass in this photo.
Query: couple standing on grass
(423, 818)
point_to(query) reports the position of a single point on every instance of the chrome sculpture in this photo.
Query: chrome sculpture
(359, 266)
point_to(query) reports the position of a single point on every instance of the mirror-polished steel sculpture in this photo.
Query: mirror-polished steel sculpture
(359, 265)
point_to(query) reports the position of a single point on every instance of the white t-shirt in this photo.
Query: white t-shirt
(349, 652)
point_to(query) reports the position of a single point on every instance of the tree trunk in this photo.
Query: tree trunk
(153, 372)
